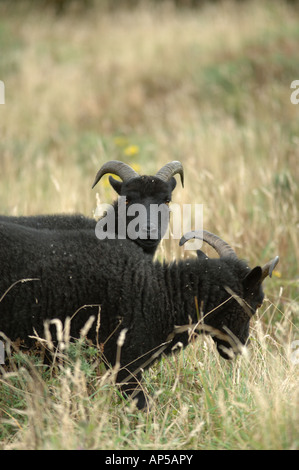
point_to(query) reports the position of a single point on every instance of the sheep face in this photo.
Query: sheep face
(233, 317)
(149, 193)
(235, 291)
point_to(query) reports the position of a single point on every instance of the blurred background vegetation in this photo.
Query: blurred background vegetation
(147, 82)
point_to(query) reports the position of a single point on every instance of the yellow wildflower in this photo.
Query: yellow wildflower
(131, 150)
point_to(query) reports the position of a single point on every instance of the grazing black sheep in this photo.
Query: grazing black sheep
(144, 190)
(69, 274)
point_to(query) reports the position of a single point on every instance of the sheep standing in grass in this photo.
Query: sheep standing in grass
(71, 274)
(146, 191)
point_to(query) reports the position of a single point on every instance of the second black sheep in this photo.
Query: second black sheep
(46, 275)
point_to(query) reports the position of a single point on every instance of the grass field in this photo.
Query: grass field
(209, 87)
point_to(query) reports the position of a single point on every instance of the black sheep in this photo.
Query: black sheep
(144, 190)
(70, 272)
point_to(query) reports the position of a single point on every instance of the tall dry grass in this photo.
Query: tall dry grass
(197, 402)
(210, 87)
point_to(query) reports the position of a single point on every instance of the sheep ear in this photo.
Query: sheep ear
(116, 185)
(201, 255)
(253, 278)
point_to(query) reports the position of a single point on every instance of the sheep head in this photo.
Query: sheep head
(242, 293)
(151, 192)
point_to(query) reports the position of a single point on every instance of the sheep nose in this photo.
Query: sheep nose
(150, 231)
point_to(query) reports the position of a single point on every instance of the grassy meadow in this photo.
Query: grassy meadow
(209, 87)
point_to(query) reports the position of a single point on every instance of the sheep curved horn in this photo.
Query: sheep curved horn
(171, 169)
(223, 249)
(268, 268)
(121, 169)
